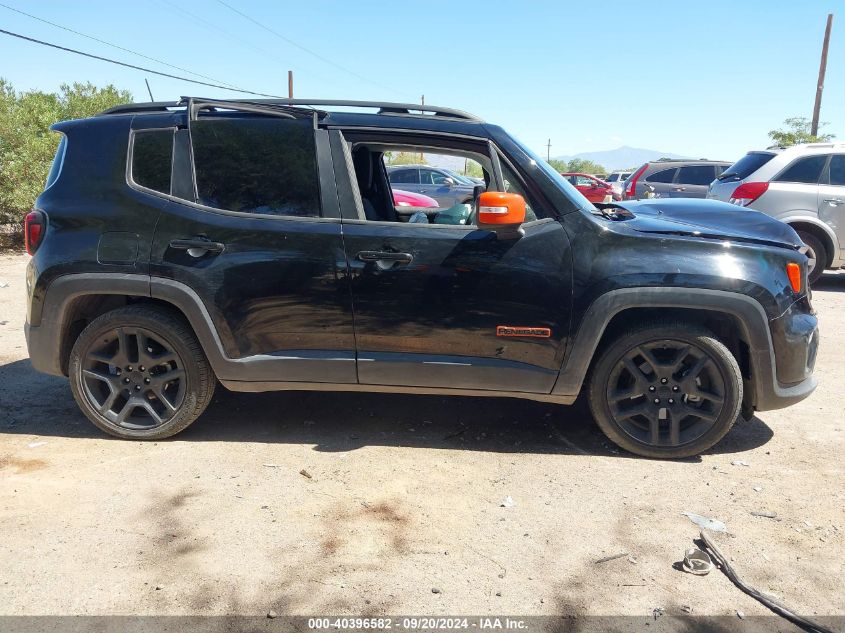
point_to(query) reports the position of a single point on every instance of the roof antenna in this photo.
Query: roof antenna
(148, 89)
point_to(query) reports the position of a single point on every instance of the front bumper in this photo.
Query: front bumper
(787, 376)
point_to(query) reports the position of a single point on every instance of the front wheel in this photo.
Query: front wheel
(139, 373)
(666, 391)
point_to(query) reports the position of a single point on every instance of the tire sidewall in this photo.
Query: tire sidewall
(105, 324)
(703, 340)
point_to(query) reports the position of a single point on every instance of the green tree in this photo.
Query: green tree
(473, 169)
(577, 165)
(404, 158)
(798, 131)
(27, 145)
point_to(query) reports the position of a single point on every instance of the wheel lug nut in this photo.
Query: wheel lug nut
(651, 388)
(146, 381)
(126, 380)
(657, 401)
(671, 401)
(663, 381)
(675, 388)
(141, 368)
(137, 387)
(129, 368)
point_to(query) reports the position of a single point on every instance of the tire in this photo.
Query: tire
(816, 253)
(665, 390)
(139, 373)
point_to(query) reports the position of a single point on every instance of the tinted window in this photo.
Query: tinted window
(612, 178)
(746, 166)
(431, 177)
(806, 170)
(408, 176)
(665, 175)
(837, 169)
(152, 159)
(697, 175)
(265, 166)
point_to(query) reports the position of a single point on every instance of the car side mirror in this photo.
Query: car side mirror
(449, 182)
(501, 212)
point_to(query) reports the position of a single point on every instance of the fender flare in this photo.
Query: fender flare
(748, 312)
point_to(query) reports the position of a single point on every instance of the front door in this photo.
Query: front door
(452, 306)
(259, 243)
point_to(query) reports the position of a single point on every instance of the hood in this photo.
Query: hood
(707, 219)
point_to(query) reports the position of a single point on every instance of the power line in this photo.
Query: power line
(303, 48)
(121, 48)
(141, 68)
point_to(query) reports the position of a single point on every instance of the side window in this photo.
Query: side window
(697, 175)
(405, 176)
(439, 179)
(152, 159)
(837, 170)
(427, 177)
(583, 181)
(804, 170)
(664, 175)
(262, 165)
(514, 185)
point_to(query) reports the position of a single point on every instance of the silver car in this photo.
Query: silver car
(802, 185)
(617, 180)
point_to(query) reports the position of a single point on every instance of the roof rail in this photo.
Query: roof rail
(383, 107)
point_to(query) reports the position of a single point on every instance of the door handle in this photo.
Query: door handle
(384, 256)
(198, 246)
(834, 201)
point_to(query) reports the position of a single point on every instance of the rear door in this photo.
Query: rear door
(692, 181)
(832, 197)
(662, 181)
(253, 234)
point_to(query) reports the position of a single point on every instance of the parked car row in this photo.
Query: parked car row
(802, 185)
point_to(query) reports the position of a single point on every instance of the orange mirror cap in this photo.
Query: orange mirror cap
(793, 271)
(495, 207)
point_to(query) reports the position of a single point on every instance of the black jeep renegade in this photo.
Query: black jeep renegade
(258, 244)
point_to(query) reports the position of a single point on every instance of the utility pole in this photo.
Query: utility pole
(290, 84)
(422, 103)
(148, 89)
(814, 129)
(549, 151)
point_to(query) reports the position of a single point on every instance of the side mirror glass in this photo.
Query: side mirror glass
(501, 212)
(449, 182)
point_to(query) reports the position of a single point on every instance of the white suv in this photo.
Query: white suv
(802, 185)
(617, 180)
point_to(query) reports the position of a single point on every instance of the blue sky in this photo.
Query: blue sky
(695, 78)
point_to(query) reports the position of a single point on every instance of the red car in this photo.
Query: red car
(408, 199)
(594, 189)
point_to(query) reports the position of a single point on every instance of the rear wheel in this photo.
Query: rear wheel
(816, 255)
(666, 391)
(139, 373)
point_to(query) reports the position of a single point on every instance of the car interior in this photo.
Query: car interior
(370, 161)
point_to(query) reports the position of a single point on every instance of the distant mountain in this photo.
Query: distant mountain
(622, 157)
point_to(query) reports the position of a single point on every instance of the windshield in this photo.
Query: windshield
(463, 180)
(562, 183)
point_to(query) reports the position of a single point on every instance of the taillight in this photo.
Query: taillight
(748, 192)
(33, 231)
(793, 271)
(631, 188)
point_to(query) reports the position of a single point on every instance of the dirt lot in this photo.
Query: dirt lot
(405, 498)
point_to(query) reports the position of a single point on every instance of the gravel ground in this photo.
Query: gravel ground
(402, 512)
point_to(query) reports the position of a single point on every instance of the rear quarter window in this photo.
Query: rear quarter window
(837, 170)
(805, 170)
(697, 175)
(152, 159)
